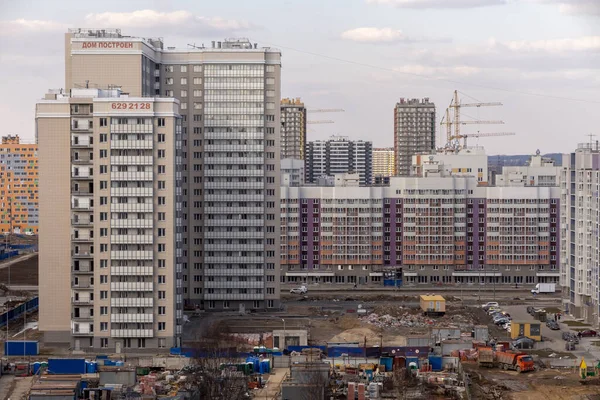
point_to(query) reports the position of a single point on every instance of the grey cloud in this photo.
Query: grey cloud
(439, 3)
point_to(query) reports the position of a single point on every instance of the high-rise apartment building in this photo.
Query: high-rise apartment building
(414, 132)
(18, 186)
(230, 107)
(339, 155)
(435, 228)
(293, 129)
(580, 227)
(383, 162)
(111, 240)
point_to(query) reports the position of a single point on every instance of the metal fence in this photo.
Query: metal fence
(14, 313)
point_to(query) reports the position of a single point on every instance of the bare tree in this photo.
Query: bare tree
(216, 372)
(315, 385)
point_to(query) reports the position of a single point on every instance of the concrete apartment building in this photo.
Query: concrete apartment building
(541, 171)
(111, 243)
(18, 186)
(338, 155)
(414, 132)
(383, 162)
(467, 162)
(292, 172)
(434, 228)
(293, 129)
(229, 95)
(580, 227)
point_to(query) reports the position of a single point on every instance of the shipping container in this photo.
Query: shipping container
(532, 330)
(65, 366)
(21, 348)
(433, 304)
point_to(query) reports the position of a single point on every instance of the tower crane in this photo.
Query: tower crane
(478, 135)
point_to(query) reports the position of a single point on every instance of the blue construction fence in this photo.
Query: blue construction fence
(8, 254)
(14, 313)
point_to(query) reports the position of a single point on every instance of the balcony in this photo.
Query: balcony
(131, 239)
(132, 333)
(132, 271)
(82, 254)
(132, 302)
(82, 302)
(131, 176)
(131, 223)
(132, 286)
(132, 318)
(79, 333)
(132, 255)
(225, 296)
(81, 222)
(234, 285)
(131, 160)
(81, 238)
(132, 207)
(132, 192)
(132, 144)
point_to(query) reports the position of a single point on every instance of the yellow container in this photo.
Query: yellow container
(530, 329)
(433, 303)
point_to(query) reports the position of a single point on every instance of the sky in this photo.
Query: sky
(539, 58)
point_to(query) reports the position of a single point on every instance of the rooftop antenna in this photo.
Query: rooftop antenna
(591, 136)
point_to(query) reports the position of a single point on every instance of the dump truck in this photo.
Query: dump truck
(519, 362)
(486, 357)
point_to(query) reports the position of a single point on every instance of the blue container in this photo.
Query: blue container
(109, 363)
(435, 362)
(36, 367)
(102, 357)
(388, 362)
(21, 348)
(119, 363)
(66, 366)
(91, 367)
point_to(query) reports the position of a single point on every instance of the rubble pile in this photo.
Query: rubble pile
(405, 320)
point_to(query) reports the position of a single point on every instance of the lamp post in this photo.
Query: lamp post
(283, 333)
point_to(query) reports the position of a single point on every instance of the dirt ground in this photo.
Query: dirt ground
(21, 273)
(548, 384)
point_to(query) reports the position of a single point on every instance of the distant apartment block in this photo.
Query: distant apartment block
(467, 162)
(293, 129)
(580, 229)
(339, 155)
(18, 186)
(292, 172)
(435, 228)
(414, 132)
(541, 171)
(111, 243)
(383, 162)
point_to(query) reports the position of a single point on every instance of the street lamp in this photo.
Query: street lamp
(283, 333)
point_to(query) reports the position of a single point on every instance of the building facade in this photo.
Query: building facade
(292, 172)
(339, 155)
(293, 129)
(110, 226)
(414, 132)
(467, 162)
(18, 186)
(541, 171)
(229, 95)
(580, 249)
(436, 229)
(383, 162)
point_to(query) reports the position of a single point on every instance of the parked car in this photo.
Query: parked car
(489, 304)
(492, 310)
(589, 333)
(530, 309)
(501, 315)
(553, 325)
(523, 343)
(299, 290)
(501, 321)
(570, 337)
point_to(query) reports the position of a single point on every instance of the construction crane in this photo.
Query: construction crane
(326, 121)
(326, 110)
(457, 105)
(478, 135)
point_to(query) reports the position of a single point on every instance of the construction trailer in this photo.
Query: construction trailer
(433, 305)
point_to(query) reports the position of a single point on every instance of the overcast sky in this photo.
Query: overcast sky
(540, 58)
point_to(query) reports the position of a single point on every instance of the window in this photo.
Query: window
(104, 310)
(162, 279)
(162, 343)
(104, 326)
(162, 326)
(169, 81)
(184, 93)
(161, 137)
(103, 122)
(162, 294)
(197, 93)
(104, 342)
(197, 68)
(161, 122)
(162, 310)
(103, 137)
(197, 81)
(270, 68)
(162, 153)
(184, 68)
(103, 294)
(184, 81)
(162, 247)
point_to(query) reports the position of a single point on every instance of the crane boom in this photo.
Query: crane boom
(480, 122)
(478, 135)
(479, 104)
